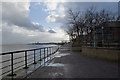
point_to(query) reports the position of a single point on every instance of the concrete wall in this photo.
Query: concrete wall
(76, 49)
(103, 53)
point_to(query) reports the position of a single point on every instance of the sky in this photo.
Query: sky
(26, 22)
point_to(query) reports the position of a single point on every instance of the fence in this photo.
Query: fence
(103, 45)
(23, 58)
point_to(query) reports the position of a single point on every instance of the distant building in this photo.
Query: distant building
(108, 34)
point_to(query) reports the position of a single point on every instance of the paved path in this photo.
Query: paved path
(68, 64)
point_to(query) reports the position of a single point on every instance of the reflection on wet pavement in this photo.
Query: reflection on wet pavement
(29, 71)
(60, 55)
(55, 64)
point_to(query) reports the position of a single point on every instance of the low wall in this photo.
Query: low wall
(100, 52)
(76, 49)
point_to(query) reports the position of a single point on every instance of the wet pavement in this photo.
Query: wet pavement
(68, 64)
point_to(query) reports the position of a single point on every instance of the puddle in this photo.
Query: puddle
(56, 64)
(60, 55)
(29, 71)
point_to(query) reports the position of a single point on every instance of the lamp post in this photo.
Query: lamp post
(94, 38)
(94, 22)
(102, 35)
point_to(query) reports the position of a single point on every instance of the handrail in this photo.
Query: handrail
(4, 53)
(42, 54)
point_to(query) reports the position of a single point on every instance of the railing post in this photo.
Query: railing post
(44, 56)
(34, 57)
(12, 69)
(50, 53)
(40, 55)
(57, 48)
(26, 60)
(47, 53)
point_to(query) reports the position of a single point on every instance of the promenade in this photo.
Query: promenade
(68, 64)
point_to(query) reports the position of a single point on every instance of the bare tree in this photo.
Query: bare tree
(90, 17)
(79, 23)
(73, 19)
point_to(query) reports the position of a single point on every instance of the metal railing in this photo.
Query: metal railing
(39, 54)
(117, 45)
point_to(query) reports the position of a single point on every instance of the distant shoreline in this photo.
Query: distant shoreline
(45, 43)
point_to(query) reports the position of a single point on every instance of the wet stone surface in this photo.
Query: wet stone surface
(69, 64)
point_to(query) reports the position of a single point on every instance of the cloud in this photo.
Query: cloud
(51, 31)
(14, 13)
(18, 35)
(55, 10)
(55, 16)
(58, 11)
(60, 0)
(50, 6)
(17, 28)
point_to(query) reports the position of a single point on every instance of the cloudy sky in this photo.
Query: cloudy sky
(25, 22)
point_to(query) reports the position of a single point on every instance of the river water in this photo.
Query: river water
(17, 47)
